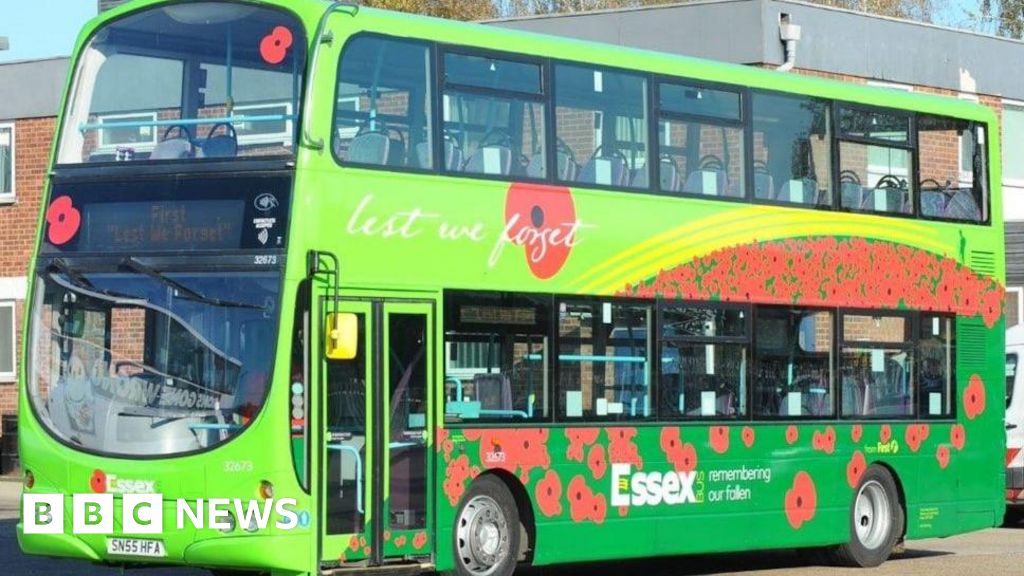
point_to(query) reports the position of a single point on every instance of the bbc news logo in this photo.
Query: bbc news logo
(143, 514)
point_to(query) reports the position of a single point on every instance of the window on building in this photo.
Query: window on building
(700, 141)
(1013, 144)
(494, 116)
(936, 347)
(277, 131)
(134, 130)
(705, 352)
(875, 161)
(383, 105)
(604, 361)
(8, 338)
(793, 363)
(953, 180)
(877, 362)
(6, 162)
(601, 126)
(792, 149)
(497, 357)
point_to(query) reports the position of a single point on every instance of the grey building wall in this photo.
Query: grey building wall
(1015, 253)
(108, 4)
(833, 40)
(31, 88)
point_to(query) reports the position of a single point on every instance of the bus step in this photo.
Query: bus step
(385, 570)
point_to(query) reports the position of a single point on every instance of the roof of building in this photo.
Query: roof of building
(31, 88)
(833, 40)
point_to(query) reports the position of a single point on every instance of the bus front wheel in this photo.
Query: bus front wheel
(487, 530)
(876, 521)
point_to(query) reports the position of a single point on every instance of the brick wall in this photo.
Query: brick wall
(32, 138)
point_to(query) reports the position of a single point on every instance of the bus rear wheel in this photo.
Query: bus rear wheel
(876, 521)
(487, 530)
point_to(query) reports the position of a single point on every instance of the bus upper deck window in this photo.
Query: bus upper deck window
(208, 80)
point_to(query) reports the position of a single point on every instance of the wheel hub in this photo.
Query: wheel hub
(482, 536)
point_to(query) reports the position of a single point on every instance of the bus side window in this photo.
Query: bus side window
(936, 349)
(792, 150)
(497, 357)
(382, 107)
(877, 358)
(793, 370)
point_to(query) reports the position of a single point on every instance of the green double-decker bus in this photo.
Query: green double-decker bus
(474, 298)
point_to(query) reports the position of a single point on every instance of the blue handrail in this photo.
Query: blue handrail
(186, 121)
(359, 471)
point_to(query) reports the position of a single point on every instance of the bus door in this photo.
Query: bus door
(374, 472)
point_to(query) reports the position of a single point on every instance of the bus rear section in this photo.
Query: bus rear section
(1014, 424)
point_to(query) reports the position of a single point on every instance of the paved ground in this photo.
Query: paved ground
(995, 552)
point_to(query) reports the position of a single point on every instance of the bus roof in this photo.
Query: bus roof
(542, 45)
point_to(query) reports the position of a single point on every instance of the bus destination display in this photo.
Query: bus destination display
(181, 225)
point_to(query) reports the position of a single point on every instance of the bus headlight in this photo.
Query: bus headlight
(231, 524)
(266, 490)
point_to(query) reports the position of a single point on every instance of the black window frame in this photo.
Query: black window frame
(661, 412)
(910, 342)
(834, 366)
(952, 391)
(910, 146)
(655, 114)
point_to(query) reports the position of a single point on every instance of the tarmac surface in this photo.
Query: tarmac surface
(994, 552)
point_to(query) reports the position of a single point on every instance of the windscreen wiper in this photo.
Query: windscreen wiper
(80, 281)
(182, 290)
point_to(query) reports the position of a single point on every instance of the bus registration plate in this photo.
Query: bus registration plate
(136, 547)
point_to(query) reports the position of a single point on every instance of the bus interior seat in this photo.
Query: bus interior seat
(490, 159)
(962, 206)
(851, 195)
(493, 391)
(800, 191)
(933, 203)
(710, 182)
(566, 166)
(604, 171)
(396, 152)
(172, 149)
(369, 148)
(886, 199)
(452, 155)
(224, 145)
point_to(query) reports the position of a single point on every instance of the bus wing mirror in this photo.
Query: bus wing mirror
(342, 336)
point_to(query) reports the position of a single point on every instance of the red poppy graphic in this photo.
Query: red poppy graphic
(748, 436)
(455, 479)
(913, 437)
(957, 436)
(353, 544)
(596, 461)
(885, 434)
(549, 494)
(853, 272)
(367, 550)
(387, 535)
(579, 438)
(801, 500)
(855, 469)
(824, 441)
(856, 432)
(63, 220)
(419, 540)
(974, 397)
(579, 499)
(718, 437)
(98, 481)
(942, 455)
(541, 219)
(400, 541)
(274, 46)
(792, 434)
(621, 448)
(598, 508)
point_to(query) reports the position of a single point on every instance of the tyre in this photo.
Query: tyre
(486, 530)
(876, 521)
(1014, 515)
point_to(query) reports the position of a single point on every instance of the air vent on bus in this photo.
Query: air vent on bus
(983, 262)
(971, 344)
